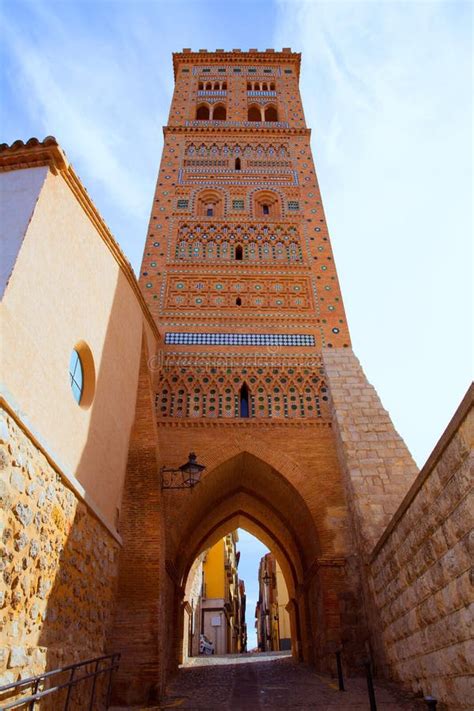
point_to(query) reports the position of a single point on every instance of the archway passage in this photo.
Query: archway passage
(235, 600)
(247, 491)
(252, 483)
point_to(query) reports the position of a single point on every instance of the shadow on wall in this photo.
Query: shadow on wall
(61, 562)
(138, 631)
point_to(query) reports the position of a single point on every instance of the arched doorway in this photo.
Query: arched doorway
(294, 505)
(246, 492)
(235, 600)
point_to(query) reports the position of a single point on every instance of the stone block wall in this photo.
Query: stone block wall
(421, 573)
(58, 564)
(378, 468)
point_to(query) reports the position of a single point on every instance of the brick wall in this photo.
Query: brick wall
(421, 569)
(139, 630)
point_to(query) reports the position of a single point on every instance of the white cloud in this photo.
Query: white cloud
(385, 89)
(97, 84)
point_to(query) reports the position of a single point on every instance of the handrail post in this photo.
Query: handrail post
(35, 691)
(339, 671)
(92, 670)
(69, 689)
(91, 704)
(370, 685)
(109, 685)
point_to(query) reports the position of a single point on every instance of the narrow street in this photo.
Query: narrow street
(270, 681)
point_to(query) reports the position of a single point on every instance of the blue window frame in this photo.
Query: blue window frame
(76, 376)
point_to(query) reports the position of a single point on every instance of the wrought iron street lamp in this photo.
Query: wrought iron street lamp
(185, 477)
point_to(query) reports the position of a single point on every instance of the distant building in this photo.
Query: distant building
(221, 597)
(192, 608)
(242, 622)
(272, 618)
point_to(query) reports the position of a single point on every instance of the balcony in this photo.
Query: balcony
(261, 93)
(214, 92)
(238, 124)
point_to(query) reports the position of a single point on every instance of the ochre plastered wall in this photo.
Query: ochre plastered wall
(64, 465)
(67, 287)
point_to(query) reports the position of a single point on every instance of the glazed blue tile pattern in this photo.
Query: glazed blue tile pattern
(239, 339)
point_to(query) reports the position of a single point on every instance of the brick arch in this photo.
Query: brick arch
(252, 196)
(213, 198)
(246, 490)
(240, 443)
(234, 512)
(261, 487)
(196, 194)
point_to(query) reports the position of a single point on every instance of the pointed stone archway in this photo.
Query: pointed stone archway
(291, 498)
(246, 490)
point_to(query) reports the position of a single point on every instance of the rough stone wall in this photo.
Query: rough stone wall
(421, 570)
(53, 554)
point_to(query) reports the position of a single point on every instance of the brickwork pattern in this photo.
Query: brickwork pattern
(54, 553)
(421, 579)
(140, 628)
(289, 389)
(238, 203)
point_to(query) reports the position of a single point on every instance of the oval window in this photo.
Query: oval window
(82, 374)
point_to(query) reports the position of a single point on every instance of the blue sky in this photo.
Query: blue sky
(386, 87)
(252, 550)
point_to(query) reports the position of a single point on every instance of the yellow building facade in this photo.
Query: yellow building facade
(220, 602)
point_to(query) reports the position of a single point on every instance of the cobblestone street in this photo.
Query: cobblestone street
(270, 682)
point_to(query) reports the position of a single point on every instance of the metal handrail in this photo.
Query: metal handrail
(35, 682)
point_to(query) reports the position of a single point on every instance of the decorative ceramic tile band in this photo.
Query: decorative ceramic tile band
(239, 339)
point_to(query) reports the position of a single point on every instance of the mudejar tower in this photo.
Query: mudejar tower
(257, 375)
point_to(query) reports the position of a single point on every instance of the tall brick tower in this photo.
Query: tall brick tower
(257, 374)
(238, 256)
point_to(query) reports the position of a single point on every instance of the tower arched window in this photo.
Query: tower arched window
(224, 86)
(219, 113)
(264, 87)
(271, 113)
(254, 113)
(200, 86)
(249, 86)
(208, 86)
(238, 301)
(239, 253)
(244, 401)
(202, 113)
(266, 209)
(216, 86)
(237, 163)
